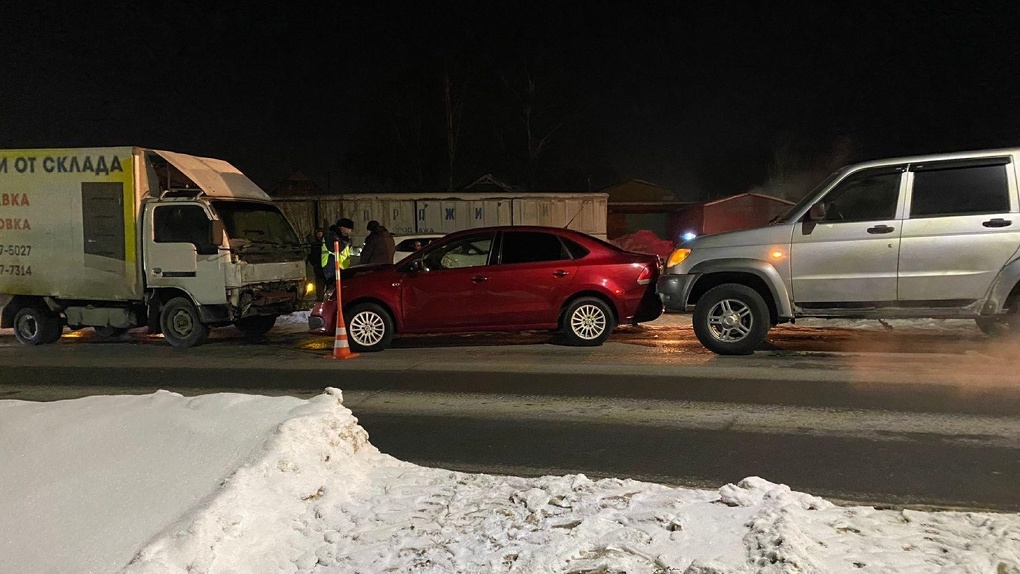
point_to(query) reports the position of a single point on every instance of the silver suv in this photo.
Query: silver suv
(930, 236)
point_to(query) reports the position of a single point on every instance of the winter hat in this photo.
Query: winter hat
(373, 225)
(344, 222)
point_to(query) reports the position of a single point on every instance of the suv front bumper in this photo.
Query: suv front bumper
(674, 290)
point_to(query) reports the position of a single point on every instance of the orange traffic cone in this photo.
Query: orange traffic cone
(341, 350)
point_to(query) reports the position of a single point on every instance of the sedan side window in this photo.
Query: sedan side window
(470, 251)
(531, 247)
(863, 196)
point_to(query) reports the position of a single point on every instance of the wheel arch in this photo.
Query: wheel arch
(758, 275)
(1005, 290)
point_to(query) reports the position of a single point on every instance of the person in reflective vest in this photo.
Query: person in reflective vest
(340, 232)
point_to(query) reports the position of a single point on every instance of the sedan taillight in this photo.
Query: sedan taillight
(645, 277)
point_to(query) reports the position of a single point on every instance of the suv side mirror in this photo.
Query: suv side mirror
(817, 212)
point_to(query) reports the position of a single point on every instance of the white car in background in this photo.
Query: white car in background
(405, 244)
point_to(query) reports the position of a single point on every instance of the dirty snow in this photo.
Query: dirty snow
(234, 483)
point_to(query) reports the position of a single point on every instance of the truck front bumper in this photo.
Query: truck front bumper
(674, 290)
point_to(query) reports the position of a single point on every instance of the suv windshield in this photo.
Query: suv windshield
(807, 199)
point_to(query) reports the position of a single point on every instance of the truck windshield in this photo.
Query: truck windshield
(256, 223)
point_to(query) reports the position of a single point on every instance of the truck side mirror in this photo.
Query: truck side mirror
(212, 246)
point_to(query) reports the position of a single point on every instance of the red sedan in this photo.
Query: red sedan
(497, 279)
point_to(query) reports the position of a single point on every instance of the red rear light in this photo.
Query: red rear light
(645, 277)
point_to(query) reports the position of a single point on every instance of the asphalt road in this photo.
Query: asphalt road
(916, 418)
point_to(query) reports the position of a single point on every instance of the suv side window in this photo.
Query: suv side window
(864, 196)
(531, 247)
(960, 191)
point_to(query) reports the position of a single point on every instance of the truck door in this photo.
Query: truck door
(180, 251)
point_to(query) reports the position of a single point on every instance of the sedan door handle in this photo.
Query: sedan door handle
(997, 222)
(880, 229)
(560, 273)
(479, 279)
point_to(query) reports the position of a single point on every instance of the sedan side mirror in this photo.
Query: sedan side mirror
(416, 266)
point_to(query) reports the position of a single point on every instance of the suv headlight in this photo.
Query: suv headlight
(677, 257)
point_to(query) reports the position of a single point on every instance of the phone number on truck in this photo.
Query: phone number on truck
(16, 250)
(16, 270)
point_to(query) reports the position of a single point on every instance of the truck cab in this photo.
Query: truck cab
(173, 242)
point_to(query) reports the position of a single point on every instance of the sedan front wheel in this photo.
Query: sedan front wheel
(369, 327)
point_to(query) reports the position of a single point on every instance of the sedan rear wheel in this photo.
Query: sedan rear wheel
(588, 322)
(369, 327)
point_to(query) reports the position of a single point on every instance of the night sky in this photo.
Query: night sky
(694, 97)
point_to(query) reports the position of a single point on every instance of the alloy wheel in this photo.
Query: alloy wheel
(730, 320)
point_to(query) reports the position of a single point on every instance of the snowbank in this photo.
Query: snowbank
(315, 496)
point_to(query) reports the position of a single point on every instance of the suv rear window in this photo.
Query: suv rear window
(960, 191)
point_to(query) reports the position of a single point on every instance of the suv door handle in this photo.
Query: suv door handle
(881, 229)
(997, 222)
(560, 273)
(479, 279)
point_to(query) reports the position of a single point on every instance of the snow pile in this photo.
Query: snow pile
(323, 499)
(645, 241)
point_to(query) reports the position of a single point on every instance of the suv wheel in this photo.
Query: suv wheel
(731, 319)
(1000, 325)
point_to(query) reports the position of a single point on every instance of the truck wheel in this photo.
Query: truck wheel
(369, 327)
(255, 326)
(731, 319)
(34, 326)
(180, 323)
(587, 322)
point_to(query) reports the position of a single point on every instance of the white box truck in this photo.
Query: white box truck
(124, 237)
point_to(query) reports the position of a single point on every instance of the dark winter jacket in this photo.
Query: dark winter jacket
(379, 247)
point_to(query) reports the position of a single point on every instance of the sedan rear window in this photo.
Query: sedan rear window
(530, 247)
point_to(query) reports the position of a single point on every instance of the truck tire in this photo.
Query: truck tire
(731, 319)
(181, 324)
(369, 327)
(587, 322)
(35, 326)
(255, 326)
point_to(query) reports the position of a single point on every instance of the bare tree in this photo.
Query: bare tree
(454, 93)
(534, 115)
